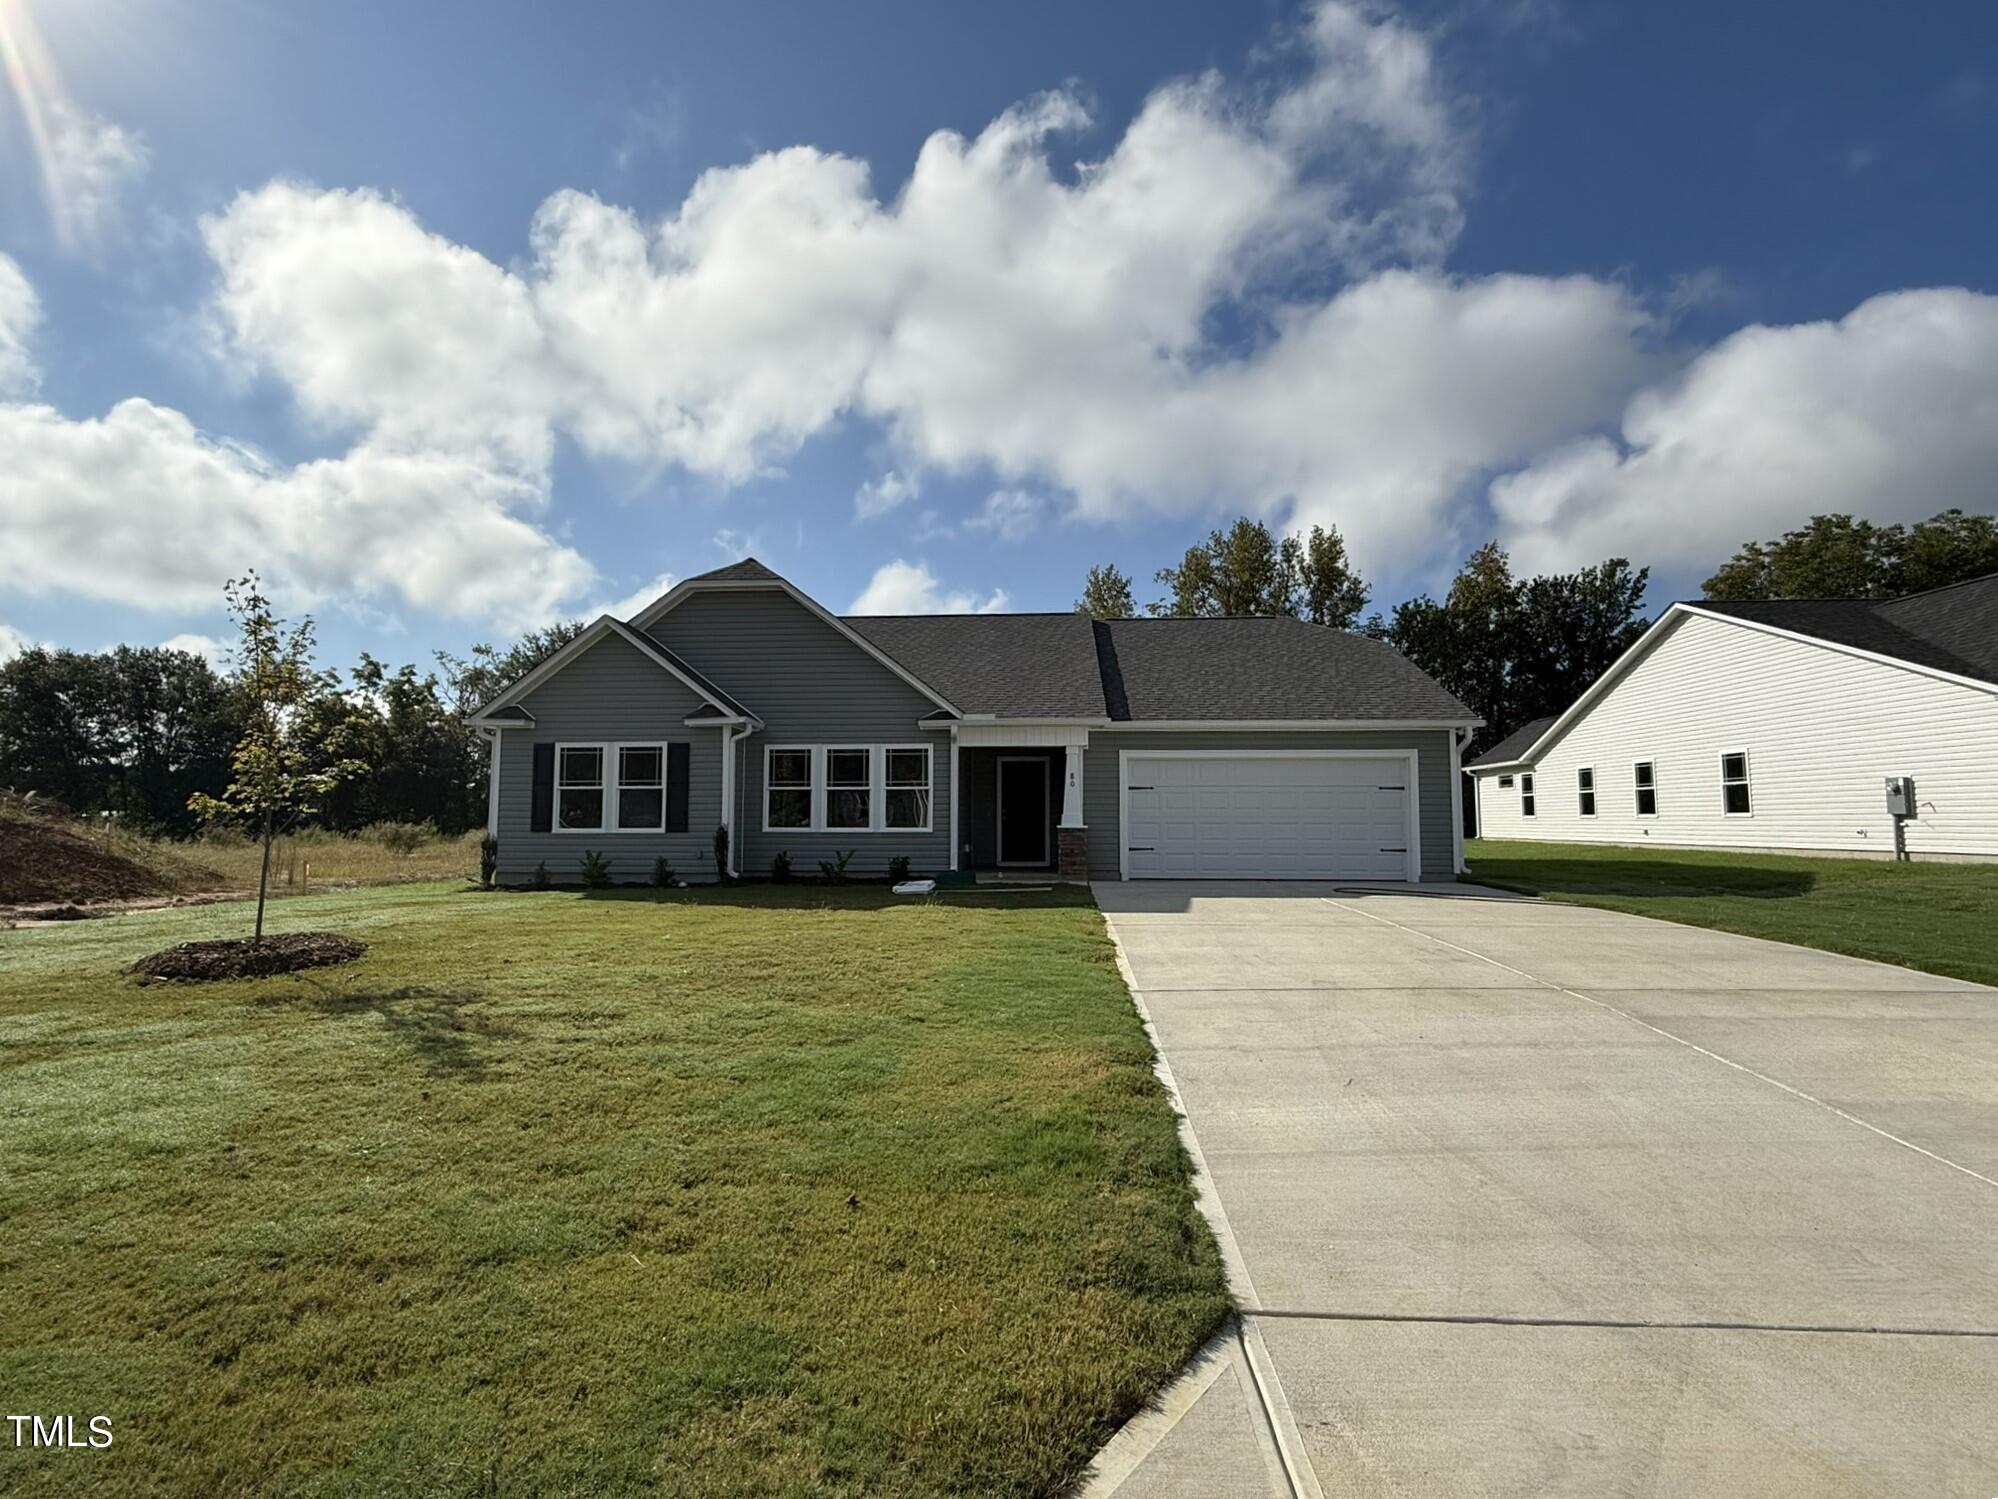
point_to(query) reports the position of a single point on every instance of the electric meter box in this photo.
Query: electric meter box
(1900, 796)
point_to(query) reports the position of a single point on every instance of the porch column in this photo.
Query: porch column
(1071, 790)
(1071, 838)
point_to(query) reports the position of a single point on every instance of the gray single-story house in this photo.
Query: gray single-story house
(1101, 749)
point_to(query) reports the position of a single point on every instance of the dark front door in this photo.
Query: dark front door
(1023, 809)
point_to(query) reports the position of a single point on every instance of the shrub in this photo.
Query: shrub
(488, 860)
(662, 873)
(721, 851)
(399, 837)
(898, 869)
(596, 870)
(542, 881)
(780, 867)
(833, 870)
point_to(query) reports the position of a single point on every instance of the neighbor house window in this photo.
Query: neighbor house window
(849, 789)
(1526, 796)
(579, 786)
(907, 801)
(641, 787)
(1647, 788)
(1734, 783)
(1505, 783)
(1585, 790)
(788, 789)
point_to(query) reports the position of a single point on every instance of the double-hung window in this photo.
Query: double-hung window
(579, 786)
(1585, 790)
(1646, 776)
(1526, 796)
(849, 789)
(789, 788)
(1734, 783)
(641, 787)
(906, 804)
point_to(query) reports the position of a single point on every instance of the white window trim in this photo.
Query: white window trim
(611, 749)
(1528, 789)
(1590, 791)
(815, 792)
(877, 793)
(929, 786)
(823, 812)
(1636, 810)
(604, 776)
(613, 810)
(1747, 782)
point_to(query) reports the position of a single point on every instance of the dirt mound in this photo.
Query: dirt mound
(241, 958)
(47, 859)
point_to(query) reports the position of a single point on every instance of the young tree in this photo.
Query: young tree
(1106, 594)
(275, 780)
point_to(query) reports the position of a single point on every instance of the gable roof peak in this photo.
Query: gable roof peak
(748, 570)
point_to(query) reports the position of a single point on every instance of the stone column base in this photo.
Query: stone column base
(1072, 853)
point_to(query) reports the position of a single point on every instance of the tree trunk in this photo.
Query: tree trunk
(263, 881)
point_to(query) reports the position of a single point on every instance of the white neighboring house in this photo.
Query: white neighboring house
(1772, 725)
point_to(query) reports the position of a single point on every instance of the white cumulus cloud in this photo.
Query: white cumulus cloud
(1890, 412)
(900, 587)
(89, 166)
(207, 647)
(880, 495)
(12, 643)
(20, 312)
(1009, 514)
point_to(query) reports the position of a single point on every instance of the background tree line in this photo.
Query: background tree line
(1516, 649)
(139, 730)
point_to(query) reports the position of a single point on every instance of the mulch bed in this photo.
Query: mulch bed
(241, 958)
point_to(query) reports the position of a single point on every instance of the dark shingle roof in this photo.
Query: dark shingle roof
(1952, 629)
(1267, 669)
(749, 570)
(1012, 665)
(1068, 666)
(1515, 744)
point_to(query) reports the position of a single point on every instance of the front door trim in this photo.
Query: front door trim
(999, 813)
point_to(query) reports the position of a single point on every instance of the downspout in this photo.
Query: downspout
(492, 782)
(731, 764)
(1458, 739)
(953, 798)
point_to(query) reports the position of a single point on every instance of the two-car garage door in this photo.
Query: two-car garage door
(1269, 815)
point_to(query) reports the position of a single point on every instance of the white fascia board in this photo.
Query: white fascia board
(680, 592)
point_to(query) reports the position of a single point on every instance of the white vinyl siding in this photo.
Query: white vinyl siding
(1821, 730)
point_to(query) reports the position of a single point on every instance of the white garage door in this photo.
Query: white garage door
(1276, 816)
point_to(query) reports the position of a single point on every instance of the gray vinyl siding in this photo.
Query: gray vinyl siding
(811, 686)
(1101, 785)
(611, 693)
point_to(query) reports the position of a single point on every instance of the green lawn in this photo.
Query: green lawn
(776, 1191)
(1942, 918)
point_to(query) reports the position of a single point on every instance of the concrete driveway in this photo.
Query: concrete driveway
(1529, 1199)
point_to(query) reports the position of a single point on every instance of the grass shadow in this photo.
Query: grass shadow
(803, 896)
(440, 1027)
(1644, 879)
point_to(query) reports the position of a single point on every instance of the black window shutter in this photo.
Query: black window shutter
(676, 788)
(541, 815)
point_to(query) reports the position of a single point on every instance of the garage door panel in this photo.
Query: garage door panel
(1248, 816)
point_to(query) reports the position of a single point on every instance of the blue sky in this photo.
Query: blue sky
(456, 318)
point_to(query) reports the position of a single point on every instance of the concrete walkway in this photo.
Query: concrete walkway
(1529, 1199)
